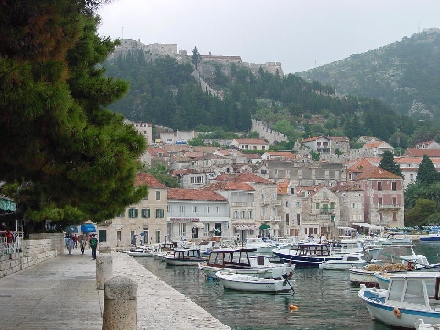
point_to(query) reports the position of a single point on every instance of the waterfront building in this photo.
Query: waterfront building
(194, 214)
(146, 220)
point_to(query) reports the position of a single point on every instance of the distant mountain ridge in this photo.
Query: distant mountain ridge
(404, 74)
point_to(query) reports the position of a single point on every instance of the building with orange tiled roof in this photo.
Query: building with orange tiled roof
(250, 144)
(278, 155)
(195, 214)
(383, 197)
(428, 145)
(378, 147)
(146, 219)
(327, 144)
(414, 152)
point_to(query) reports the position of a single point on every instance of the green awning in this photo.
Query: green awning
(264, 226)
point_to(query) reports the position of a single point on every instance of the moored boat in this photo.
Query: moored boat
(185, 257)
(348, 261)
(411, 296)
(307, 255)
(433, 237)
(241, 261)
(241, 282)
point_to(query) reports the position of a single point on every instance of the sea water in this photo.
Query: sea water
(326, 299)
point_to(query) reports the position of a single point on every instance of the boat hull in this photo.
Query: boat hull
(386, 313)
(361, 276)
(340, 265)
(262, 272)
(246, 283)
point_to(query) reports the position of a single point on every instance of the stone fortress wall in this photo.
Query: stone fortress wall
(267, 133)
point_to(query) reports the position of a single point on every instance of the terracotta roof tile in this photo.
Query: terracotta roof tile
(149, 180)
(227, 185)
(374, 172)
(194, 194)
(420, 152)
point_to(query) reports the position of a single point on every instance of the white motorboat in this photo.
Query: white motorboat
(260, 245)
(348, 261)
(420, 325)
(410, 297)
(185, 257)
(240, 282)
(141, 251)
(241, 261)
(366, 275)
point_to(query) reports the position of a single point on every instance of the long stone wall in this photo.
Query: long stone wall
(267, 133)
(34, 251)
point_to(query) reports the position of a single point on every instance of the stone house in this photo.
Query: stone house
(351, 202)
(196, 214)
(410, 166)
(242, 207)
(327, 144)
(278, 155)
(250, 144)
(383, 196)
(290, 209)
(320, 213)
(146, 219)
(378, 147)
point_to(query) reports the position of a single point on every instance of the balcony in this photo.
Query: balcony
(389, 206)
(327, 211)
(275, 218)
(271, 202)
(242, 204)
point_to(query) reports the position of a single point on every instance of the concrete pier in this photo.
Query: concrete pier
(61, 293)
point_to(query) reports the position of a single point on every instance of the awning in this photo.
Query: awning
(264, 226)
(367, 225)
(199, 225)
(71, 229)
(88, 228)
(346, 228)
(245, 227)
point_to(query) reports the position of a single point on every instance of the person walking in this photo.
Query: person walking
(93, 244)
(82, 243)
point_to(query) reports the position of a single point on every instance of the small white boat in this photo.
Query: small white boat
(259, 244)
(141, 251)
(240, 282)
(241, 262)
(185, 257)
(411, 296)
(420, 325)
(348, 261)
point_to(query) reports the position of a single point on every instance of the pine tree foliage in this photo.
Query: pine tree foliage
(387, 163)
(54, 126)
(427, 174)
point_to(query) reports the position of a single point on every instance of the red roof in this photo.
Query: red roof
(251, 141)
(194, 194)
(374, 172)
(414, 152)
(227, 185)
(149, 180)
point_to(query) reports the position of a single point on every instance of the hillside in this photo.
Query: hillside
(167, 90)
(404, 74)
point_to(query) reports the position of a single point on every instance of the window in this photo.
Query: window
(207, 209)
(332, 205)
(197, 179)
(194, 209)
(380, 201)
(317, 206)
(394, 201)
(160, 213)
(243, 214)
(182, 229)
(145, 213)
(132, 213)
(379, 185)
(393, 185)
(182, 209)
(157, 236)
(235, 214)
(298, 205)
(353, 205)
(118, 236)
(218, 209)
(157, 195)
(287, 219)
(250, 214)
(168, 208)
(298, 219)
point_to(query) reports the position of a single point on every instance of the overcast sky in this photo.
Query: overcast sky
(301, 34)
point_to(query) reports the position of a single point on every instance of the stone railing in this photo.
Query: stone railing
(33, 251)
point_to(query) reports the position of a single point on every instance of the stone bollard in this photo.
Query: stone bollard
(104, 269)
(120, 304)
(103, 247)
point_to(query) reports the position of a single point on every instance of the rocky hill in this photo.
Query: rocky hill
(404, 74)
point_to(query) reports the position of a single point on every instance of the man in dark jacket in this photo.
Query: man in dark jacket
(93, 245)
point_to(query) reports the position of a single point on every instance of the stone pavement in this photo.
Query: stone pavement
(61, 294)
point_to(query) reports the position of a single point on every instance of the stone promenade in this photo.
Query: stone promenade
(61, 293)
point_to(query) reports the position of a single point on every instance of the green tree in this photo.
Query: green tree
(66, 153)
(196, 57)
(162, 173)
(418, 214)
(427, 174)
(387, 163)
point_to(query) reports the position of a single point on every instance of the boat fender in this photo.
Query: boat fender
(293, 307)
(397, 312)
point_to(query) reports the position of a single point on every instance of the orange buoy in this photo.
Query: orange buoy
(397, 312)
(293, 308)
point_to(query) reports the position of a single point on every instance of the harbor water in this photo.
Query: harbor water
(325, 298)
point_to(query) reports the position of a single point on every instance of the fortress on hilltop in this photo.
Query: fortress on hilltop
(155, 50)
